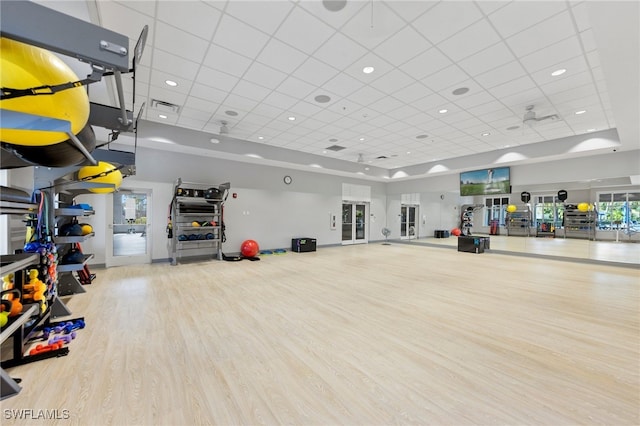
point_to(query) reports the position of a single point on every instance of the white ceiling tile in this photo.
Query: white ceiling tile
(402, 46)
(519, 15)
(366, 95)
(385, 105)
(239, 37)
(542, 35)
(369, 60)
(487, 59)
(470, 40)
(490, 6)
(410, 9)
(201, 104)
(148, 8)
(588, 40)
(191, 123)
(343, 84)
(572, 81)
(304, 31)
(223, 59)
(426, 64)
(295, 87)
(476, 98)
(402, 112)
(574, 93)
(487, 108)
(392, 81)
(327, 116)
(370, 34)
(431, 104)
(412, 92)
(593, 58)
(344, 106)
(519, 100)
(573, 66)
(239, 104)
(264, 15)
(445, 19)
(340, 51)
(126, 21)
(555, 54)
(581, 16)
(281, 56)
(305, 109)
(165, 95)
(196, 114)
(218, 79)
(268, 110)
(510, 71)
(251, 90)
(335, 19)
(280, 100)
(264, 76)
(196, 18)
(420, 119)
(176, 66)
(315, 72)
(445, 78)
(256, 119)
(180, 42)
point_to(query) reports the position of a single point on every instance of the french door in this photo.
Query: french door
(408, 224)
(355, 227)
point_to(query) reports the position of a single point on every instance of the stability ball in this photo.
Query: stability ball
(456, 232)
(25, 67)
(583, 207)
(102, 173)
(511, 208)
(249, 248)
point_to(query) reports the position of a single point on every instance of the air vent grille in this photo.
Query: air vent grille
(335, 148)
(165, 106)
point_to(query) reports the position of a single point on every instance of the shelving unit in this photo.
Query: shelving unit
(196, 221)
(579, 224)
(519, 222)
(68, 284)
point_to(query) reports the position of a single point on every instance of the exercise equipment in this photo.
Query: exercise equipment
(562, 195)
(70, 230)
(61, 154)
(512, 208)
(13, 296)
(249, 248)
(39, 349)
(86, 228)
(456, 231)
(34, 71)
(4, 314)
(583, 207)
(102, 173)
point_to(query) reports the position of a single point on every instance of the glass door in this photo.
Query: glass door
(354, 223)
(128, 239)
(408, 225)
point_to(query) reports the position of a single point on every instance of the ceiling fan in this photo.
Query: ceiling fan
(531, 120)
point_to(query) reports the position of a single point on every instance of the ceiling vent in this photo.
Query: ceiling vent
(335, 148)
(165, 106)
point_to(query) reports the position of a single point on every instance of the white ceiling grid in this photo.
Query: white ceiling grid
(268, 60)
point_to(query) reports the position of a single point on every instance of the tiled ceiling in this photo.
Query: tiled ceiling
(256, 64)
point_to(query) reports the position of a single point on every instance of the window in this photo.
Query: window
(619, 210)
(496, 209)
(549, 213)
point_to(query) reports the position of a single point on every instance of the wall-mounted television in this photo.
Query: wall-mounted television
(486, 181)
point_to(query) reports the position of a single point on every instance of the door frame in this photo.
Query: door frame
(416, 216)
(353, 239)
(110, 259)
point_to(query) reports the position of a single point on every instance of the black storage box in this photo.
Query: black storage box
(441, 233)
(472, 244)
(303, 245)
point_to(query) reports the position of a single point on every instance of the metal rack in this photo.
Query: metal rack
(519, 222)
(196, 221)
(579, 224)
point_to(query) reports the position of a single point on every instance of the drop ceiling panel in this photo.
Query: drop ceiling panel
(445, 19)
(412, 92)
(223, 59)
(303, 31)
(262, 15)
(340, 51)
(251, 90)
(199, 19)
(281, 56)
(179, 42)
(555, 55)
(412, 44)
(264, 75)
(315, 72)
(373, 24)
(343, 83)
(518, 16)
(366, 95)
(487, 59)
(184, 70)
(445, 78)
(239, 37)
(391, 82)
(542, 35)
(505, 73)
(467, 42)
(427, 63)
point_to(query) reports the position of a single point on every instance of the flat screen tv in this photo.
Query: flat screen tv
(486, 182)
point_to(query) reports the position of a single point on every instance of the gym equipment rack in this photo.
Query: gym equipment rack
(519, 221)
(189, 210)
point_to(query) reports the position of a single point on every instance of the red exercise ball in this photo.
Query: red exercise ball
(456, 232)
(249, 248)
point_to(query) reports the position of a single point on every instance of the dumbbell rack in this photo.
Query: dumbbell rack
(189, 210)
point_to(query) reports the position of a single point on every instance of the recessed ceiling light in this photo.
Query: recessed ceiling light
(422, 136)
(322, 99)
(325, 151)
(368, 70)
(460, 91)
(591, 130)
(260, 137)
(333, 140)
(231, 113)
(214, 140)
(162, 116)
(292, 118)
(442, 111)
(408, 152)
(361, 139)
(171, 83)
(582, 111)
(558, 72)
(507, 146)
(486, 134)
(366, 168)
(334, 5)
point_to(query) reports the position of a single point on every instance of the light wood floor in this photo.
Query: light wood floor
(374, 334)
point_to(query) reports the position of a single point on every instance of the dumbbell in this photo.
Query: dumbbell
(16, 305)
(4, 315)
(67, 338)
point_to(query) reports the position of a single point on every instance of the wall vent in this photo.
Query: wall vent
(165, 106)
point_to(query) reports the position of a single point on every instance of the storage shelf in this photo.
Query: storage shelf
(74, 266)
(73, 239)
(14, 324)
(68, 211)
(15, 262)
(12, 207)
(196, 228)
